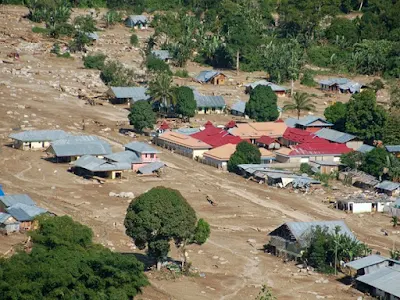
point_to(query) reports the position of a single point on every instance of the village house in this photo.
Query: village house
(335, 136)
(268, 143)
(8, 224)
(394, 149)
(182, 144)
(36, 139)
(130, 95)
(163, 127)
(73, 147)
(369, 264)
(209, 104)
(211, 76)
(150, 169)
(358, 179)
(238, 109)
(332, 84)
(219, 156)
(308, 123)
(254, 131)
(304, 153)
(25, 215)
(280, 91)
(295, 136)
(291, 238)
(215, 136)
(10, 200)
(162, 54)
(325, 166)
(363, 203)
(137, 21)
(90, 166)
(267, 157)
(388, 187)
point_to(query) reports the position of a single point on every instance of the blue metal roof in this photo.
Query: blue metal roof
(332, 81)
(388, 185)
(386, 279)
(353, 87)
(307, 120)
(125, 156)
(92, 35)
(161, 54)
(4, 217)
(135, 93)
(364, 148)
(334, 135)
(291, 122)
(1, 190)
(22, 212)
(10, 200)
(80, 145)
(140, 147)
(39, 135)
(150, 168)
(393, 148)
(187, 131)
(239, 106)
(209, 101)
(366, 261)
(206, 76)
(95, 164)
(273, 86)
(137, 19)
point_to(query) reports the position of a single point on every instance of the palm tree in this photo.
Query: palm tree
(160, 90)
(300, 102)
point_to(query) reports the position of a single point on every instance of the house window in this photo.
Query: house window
(213, 109)
(151, 155)
(200, 109)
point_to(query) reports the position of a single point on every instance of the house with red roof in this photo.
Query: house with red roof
(163, 127)
(304, 153)
(295, 136)
(215, 136)
(268, 142)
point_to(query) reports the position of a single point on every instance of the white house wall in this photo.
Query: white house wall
(362, 208)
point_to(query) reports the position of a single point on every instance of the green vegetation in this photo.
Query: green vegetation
(375, 162)
(394, 221)
(182, 73)
(391, 132)
(159, 216)
(353, 159)
(65, 263)
(156, 65)
(162, 92)
(95, 61)
(112, 17)
(336, 114)
(265, 294)
(262, 105)
(245, 153)
(134, 40)
(308, 79)
(142, 115)
(185, 103)
(115, 74)
(305, 168)
(41, 30)
(300, 102)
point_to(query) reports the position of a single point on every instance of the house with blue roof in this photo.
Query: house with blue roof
(339, 137)
(137, 21)
(25, 214)
(211, 76)
(280, 91)
(8, 224)
(388, 187)
(89, 166)
(308, 123)
(164, 55)
(238, 109)
(36, 139)
(332, 84)
(7, 201)
(209, 104)
(394, 149)
(130, 95)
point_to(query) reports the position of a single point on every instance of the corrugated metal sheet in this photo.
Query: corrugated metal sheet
(95, 164)
(206, 76)
(92, 35)
(161, 54)
(386, 279)
(10, 200)
(125, 156)
(22, 212)
(4, 217)
(365, 148)
(150, 168)
(334, 135)
(332, 81)
(353, 87)
(1, 190)
(301, 229)
(187, 131)
(273, 86)
(291, 122)
(307, 120)
(39, 135)
(366, 261)
(140, 147)
(80, 145)
(387, 185)
(393, 148)
(239, 106)
(209, 101)
(135, 93)
(136, 19)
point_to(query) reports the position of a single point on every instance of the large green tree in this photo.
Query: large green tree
(375, 162)
(353, 159)
(185, 103)
(245, 153)
(300, 102)
(159, 216)
(64, 263)
(391, 132)
(364, 118)
(262, 105)
(161, 91)
(142, 115)
(336, 114)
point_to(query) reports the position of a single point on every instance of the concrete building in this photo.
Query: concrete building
(370, 264)
(92, 166)
(182, 144)
(219, 156)
(362, 203)
(130, 95)
(154, 168)
(394, 149)
(209, 104)
(25, 215)
(164, 55)
(137, 21)
(268, 143)
(325, 167)
(238, 109)
(254, 131)
(388, 187)
(8, 224)
(10, 200)
(294, 136)
(73, 147)
(36, 139)
(309, 123)
(215, 136)
(335, 136)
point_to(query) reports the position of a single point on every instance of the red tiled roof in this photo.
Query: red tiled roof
(230, 124)
(319, 148)
(266, 140)
(216, 137)
(208, 124)
(302, 136)
(164, 126)
(279, 121)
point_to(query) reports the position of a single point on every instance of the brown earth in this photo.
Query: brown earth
(40, 91)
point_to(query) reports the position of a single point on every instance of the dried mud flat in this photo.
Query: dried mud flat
(40, 91)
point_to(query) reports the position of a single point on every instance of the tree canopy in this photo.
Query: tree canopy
(300, 102)
(391, 132)
(245, 153)
(375, 162)
(160, 215)
(262, 105)
(336, 114)
(65, 263)
(185, 103)
(142, 115)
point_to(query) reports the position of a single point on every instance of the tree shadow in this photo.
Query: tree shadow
(347, 280)
(147, 261)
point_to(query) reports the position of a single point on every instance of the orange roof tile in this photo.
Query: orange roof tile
(257, 130)
(221, 153)
(183, 140)
(265, 152)
(284, 151)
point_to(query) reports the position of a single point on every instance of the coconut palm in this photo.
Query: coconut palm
(160, 90)
(300, 102)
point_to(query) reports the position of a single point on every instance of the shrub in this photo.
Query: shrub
(202, 232)
(134, 40)
(37, 29)
(157, 65)
(115, 74)
(308, 79)
(182, 73)
(95, 61)
(306, 168)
